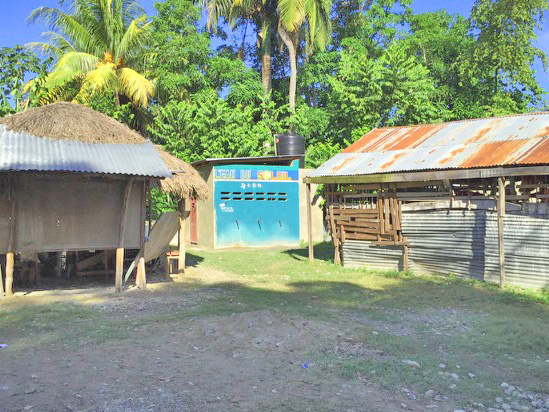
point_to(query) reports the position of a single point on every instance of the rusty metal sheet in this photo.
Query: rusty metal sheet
(500, 141)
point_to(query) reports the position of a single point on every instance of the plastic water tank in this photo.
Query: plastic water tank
(291, 144)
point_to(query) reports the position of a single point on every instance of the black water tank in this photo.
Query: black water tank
(291, 144)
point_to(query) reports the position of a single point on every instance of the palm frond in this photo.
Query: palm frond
(135, 86)
(135, 39)
(292, 14)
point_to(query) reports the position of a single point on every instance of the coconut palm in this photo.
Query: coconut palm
(96, 44)
(293, 14)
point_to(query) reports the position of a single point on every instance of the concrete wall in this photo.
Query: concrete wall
(317, 213)
(465, 243)
(68, 212)
(205, 211)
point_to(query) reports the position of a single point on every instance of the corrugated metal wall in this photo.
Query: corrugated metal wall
(464, 243)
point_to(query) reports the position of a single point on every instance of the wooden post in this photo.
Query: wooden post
(501, 243)
(141, 275)
(405, 262)
(106, 264)
(1, 283)
(121, 234)
(309, 222)
(181, 240)
(337, 257)
(11, 242)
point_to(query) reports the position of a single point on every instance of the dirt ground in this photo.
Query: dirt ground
(250, 361)
(206, 345)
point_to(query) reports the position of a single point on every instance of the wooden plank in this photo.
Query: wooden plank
(501, 240)
(181, 240)
(357, 212)
(309, 221)
(405, 258)
(360, 229)
(9, 273)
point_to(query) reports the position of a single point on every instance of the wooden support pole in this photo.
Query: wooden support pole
(1, 283)
(405, 255)
(121, 235)
(309, 222)
(119, 268)
(181, 240)
(501, 242)
(11, 242)
(333, 227)
(141, 275)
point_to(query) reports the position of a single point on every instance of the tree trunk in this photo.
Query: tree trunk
(288, 42)
(264, 40)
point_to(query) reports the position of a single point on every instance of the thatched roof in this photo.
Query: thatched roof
(186, 182)
(68, 121)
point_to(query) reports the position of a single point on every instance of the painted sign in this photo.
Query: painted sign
(256, 174)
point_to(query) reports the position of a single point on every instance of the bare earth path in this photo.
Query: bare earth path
(217, 343)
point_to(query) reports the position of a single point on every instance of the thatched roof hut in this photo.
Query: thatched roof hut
(186, 181)
(68, 121)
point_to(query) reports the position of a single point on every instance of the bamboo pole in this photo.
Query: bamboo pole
(121, 235)
(501, 241)
(309, 222)
(181, 240)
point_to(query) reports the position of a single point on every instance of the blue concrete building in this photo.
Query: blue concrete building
(255, 203)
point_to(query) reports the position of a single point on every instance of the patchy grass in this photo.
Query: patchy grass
(375, 321)
(470, 326)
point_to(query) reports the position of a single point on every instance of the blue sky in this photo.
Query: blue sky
(14, 29)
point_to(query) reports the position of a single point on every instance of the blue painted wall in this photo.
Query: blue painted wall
(256, 205)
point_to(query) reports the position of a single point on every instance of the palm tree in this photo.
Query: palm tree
(293, 14)
(260, 12)
(96, 43)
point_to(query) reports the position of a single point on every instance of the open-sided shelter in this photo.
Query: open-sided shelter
(73, 179)
(468, 197)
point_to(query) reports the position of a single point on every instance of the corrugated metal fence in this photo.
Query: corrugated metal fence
(464, 242)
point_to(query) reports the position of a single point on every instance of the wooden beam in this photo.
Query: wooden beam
(181, 240)
(309, 222)
(501, 240)
(424, 176)
(405, 258)
(121, 235)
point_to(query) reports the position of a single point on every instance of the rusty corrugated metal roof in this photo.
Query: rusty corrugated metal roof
(466, 144)
(21, 151)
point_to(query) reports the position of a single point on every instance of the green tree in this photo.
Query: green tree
(97, 44)
(504, 31)
(15, 64)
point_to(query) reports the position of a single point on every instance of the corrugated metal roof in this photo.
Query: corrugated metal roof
(25, 152)
(497, 141)
(249, 160)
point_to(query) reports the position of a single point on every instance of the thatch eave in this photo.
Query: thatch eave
(186, 181)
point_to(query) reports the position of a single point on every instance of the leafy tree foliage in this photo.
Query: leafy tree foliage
(16, 63)
(381, 65)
